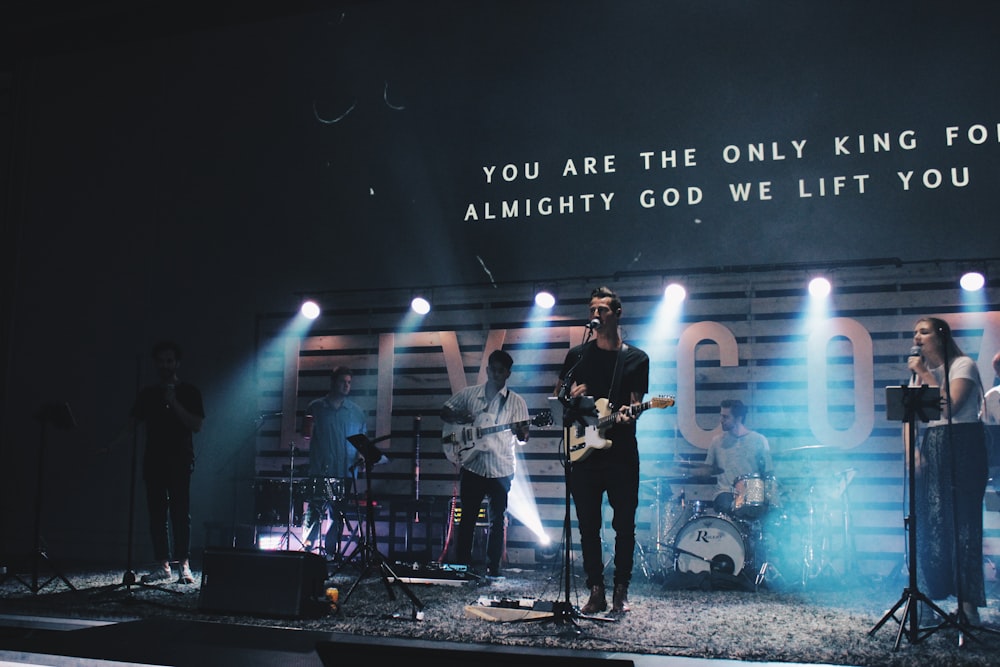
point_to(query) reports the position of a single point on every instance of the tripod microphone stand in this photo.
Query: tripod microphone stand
(129, 578)
(906, 404)
(368, 550)
(580, 410)
(61, 417)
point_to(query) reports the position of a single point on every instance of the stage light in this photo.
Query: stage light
(310, 309)
(547, 552)
(674, 293)
(819, 287)
(420, 305)
(972, 281)
(545, 299)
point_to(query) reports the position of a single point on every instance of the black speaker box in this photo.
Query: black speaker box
(289, 584)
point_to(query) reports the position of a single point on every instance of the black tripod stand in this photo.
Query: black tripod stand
(579, 412)
(128, 578)
(61, 417)
(286, 538)
(907, 404)
(368, 550)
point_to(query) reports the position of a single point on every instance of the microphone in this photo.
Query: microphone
(914, 352)
(594, 323)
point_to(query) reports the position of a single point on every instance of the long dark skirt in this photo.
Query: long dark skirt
(950, 512)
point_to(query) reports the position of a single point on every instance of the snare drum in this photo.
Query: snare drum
(711, 543)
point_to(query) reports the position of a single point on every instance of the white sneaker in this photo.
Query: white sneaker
(160, 574)
(185, 577)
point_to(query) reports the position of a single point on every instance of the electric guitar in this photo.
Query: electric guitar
(463, 441)
(585, 439)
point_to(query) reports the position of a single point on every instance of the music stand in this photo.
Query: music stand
(907, 404)
(60, 416)
(371, 557)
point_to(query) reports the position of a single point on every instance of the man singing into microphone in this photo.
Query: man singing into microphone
(172, 412)
(607, 368)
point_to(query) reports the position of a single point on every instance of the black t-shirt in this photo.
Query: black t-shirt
(168, 441)
(597, 369)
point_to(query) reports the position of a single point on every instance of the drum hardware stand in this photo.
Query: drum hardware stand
(61, 417)
(354, 531)
(913, 404)
(814, 566)
(286, 538)
(371, 557)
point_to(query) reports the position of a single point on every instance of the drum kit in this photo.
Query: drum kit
(282, 501)
(745, 533)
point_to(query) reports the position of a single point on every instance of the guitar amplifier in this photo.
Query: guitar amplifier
(482, 519)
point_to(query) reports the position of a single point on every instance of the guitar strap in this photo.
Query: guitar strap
(503, 402)
(616, 377)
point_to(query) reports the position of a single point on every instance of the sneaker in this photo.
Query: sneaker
(493, 574)
(185, 577)
(159, 574)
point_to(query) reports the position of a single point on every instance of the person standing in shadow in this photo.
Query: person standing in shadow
(172, 411)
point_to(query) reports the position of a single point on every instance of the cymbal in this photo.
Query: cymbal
(796, 452)
(662, 484)
(698, 469)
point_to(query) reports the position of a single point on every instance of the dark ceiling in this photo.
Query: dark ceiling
(30, 27)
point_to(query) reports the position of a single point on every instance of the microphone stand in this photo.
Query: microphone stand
(129, 578)
(914, 403)
(563, 611)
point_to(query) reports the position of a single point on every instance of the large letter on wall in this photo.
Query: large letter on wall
(383, 393)
(729, 355)
(864, 383)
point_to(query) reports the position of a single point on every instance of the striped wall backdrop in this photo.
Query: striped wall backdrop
(815, 387)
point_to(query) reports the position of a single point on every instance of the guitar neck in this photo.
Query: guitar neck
(501, 427)
(633, 410)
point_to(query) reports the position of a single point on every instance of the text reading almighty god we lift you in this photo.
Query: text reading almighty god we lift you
(930, 177)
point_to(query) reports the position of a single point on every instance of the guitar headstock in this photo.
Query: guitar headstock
(661, 401)
(543, 418)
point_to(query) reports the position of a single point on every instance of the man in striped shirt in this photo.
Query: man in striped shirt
(486, 465)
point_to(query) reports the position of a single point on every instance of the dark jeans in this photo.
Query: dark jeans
(168, 497)
(951, 481)
(474, 488)
(589, 483)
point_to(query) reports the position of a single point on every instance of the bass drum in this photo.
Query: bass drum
(711, 543)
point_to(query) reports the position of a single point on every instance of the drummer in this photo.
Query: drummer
(327, 424)
(736, 451)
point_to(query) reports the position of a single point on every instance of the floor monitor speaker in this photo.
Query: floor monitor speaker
(289, 584)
